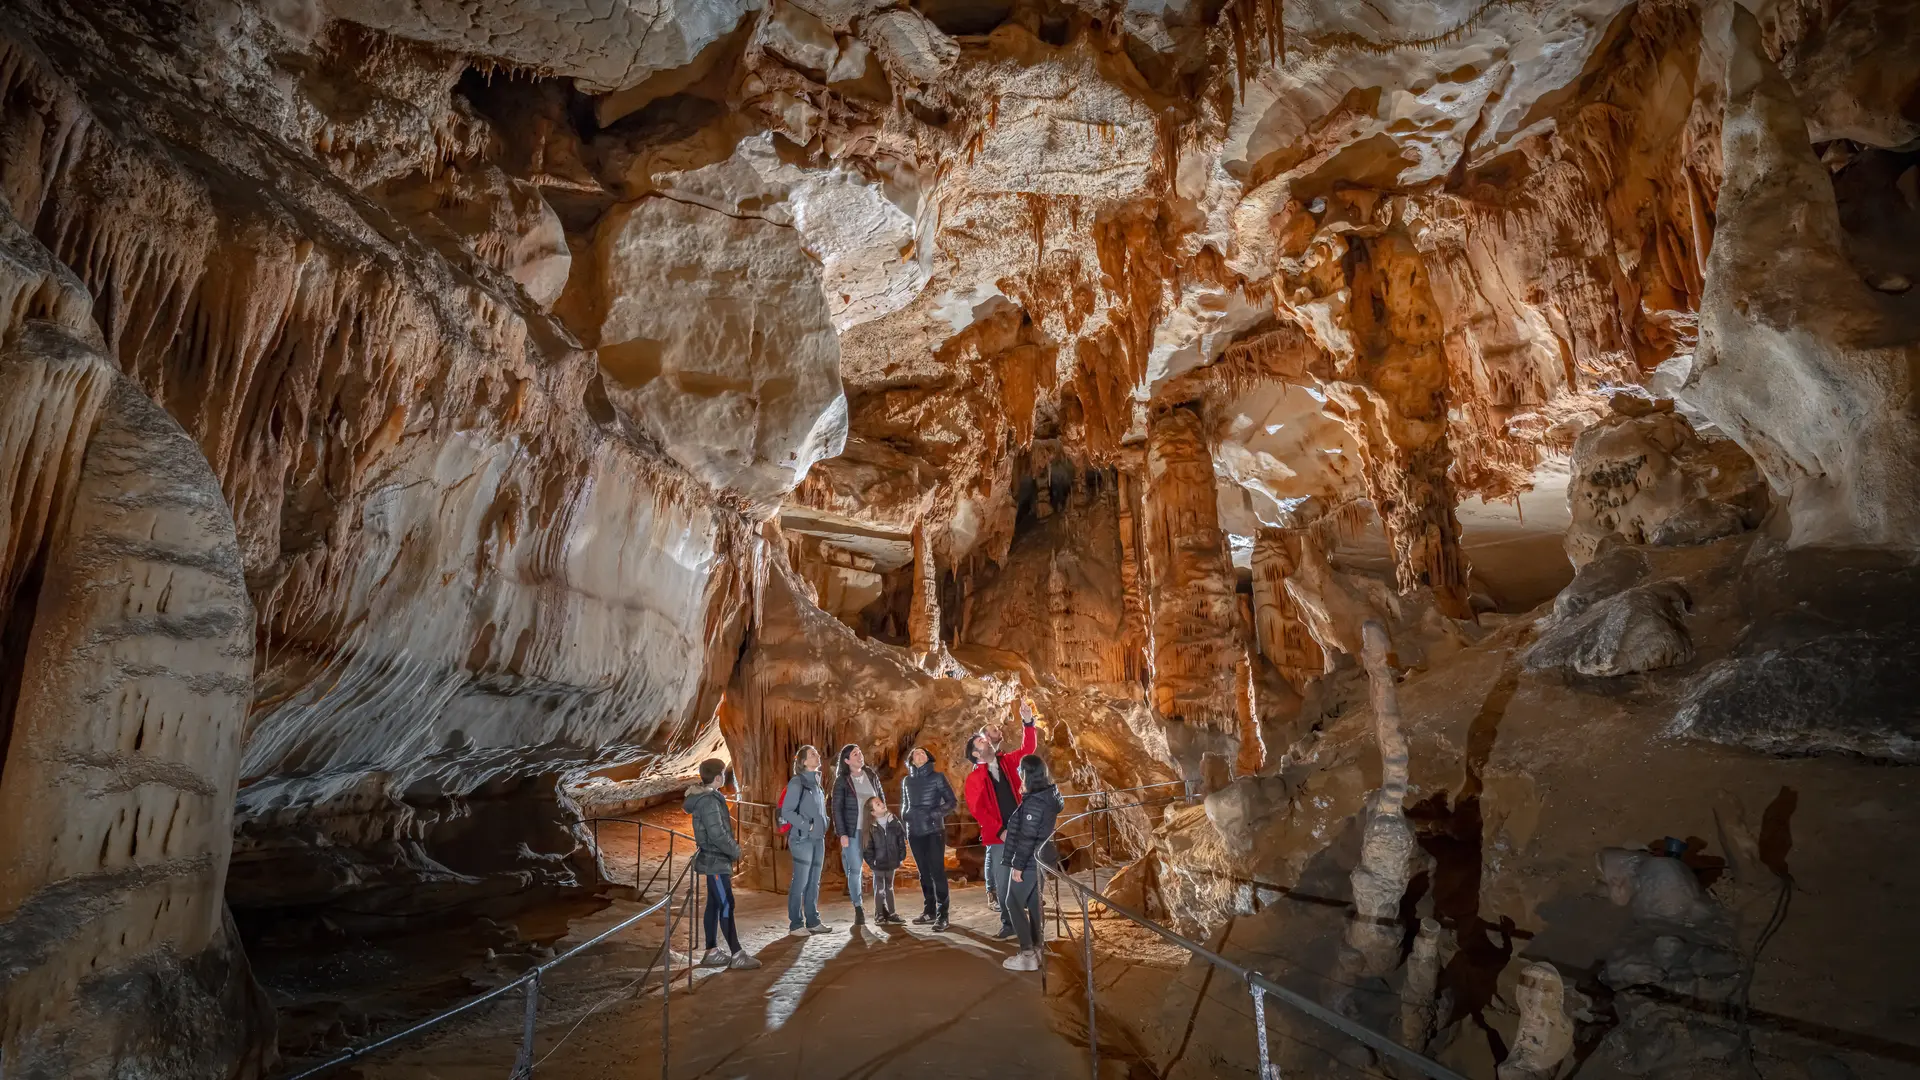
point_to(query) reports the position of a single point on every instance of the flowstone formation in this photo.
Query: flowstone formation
(1392, 437)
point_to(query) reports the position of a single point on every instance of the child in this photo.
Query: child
(885, 850)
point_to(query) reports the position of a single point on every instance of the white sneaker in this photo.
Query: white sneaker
(1021, 961)
(743, 961)
(716, 958)
(799, 931)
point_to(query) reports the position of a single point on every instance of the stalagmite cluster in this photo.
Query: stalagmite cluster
(1385, 425)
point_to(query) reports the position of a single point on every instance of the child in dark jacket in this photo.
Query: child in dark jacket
(885, 849)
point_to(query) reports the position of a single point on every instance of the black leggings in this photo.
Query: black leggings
(719, 913)
(930, 858)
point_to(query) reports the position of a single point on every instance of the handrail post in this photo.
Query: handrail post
(523, 1065)
(1268, 1070)
(693, 896)
(666, 977)
(1086, 947)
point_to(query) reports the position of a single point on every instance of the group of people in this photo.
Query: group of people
(1011, 795)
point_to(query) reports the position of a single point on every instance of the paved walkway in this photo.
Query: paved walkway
(876, 1003)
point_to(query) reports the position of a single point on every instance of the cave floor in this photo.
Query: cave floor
(878, 1002)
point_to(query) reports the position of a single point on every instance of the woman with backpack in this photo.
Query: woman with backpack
(926, 798)
(1029, 844)
(715, 852)
(803, 817)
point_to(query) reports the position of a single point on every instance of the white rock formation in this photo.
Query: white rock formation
(716, 341)
(1800, 360)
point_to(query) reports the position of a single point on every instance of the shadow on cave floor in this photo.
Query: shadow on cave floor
(878, 1002)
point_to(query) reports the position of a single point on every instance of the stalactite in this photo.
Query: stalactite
(923, 617)
(1280, 629)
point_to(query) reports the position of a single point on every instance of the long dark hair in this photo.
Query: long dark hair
(1034, 774)
(841, 771)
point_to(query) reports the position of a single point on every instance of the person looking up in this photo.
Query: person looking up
(803, 810)
(1029, 846)
(854, 783)
(885, 849)
(715, 852)
(993, 791)
(925, 801)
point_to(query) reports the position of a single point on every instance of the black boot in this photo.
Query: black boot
(859, 916)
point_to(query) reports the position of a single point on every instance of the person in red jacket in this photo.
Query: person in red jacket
(993, 790)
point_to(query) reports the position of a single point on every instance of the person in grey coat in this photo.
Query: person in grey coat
(803, 810)
(715, 852)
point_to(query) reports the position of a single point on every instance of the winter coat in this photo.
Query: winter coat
(925, 800)
(886, 845)
(1031, 831)
(848, 813)
(715, 849)
(981, 802)
(803, 807)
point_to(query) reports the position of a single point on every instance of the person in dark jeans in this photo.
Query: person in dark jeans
(926, 798)
(1029, 844)
(993, 791)
(715, 852)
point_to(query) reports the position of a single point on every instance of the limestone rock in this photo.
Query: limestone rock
(1799, 359)
(1649, 479)
(909, 45)
(717, 343)
(605, 49)
(1826, 667)
(798, 37)
(1640, 629)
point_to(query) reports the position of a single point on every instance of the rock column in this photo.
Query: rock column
(1190, 583)
(119, 773)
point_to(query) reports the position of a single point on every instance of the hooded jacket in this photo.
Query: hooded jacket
(1031, 830)
(980, 799)
(716, 851)
(848, 808)
(803, 807)
(886, 844)
(926, 799)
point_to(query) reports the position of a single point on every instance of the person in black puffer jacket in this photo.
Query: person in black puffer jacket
(854, 784)
(885, 850)
(926, 798)
(1030, 843)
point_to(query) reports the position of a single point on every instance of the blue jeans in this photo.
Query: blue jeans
(850, 861)
(803, 892)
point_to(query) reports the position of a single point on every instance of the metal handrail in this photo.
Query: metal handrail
(1258, 985)
(531, 980)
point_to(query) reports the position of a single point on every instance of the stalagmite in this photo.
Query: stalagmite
(1545, 1036)
(1388, 847)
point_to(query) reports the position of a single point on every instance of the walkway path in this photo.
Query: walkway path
(877, 1003)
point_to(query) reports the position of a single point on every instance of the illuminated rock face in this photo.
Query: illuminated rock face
(532, 389)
